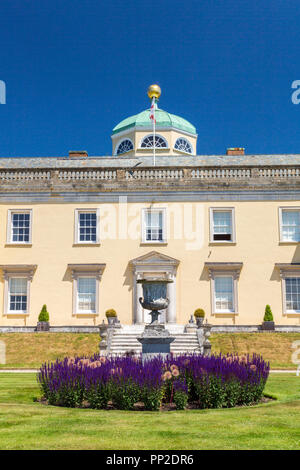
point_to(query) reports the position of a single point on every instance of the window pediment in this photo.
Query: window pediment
(153, 263)
(27, 270)
(231, 268)
(154, 257)
(93, 269)
(288, 269)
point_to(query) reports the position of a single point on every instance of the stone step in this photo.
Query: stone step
(176, 342)
(128, 347)
(135, 334)
(125, 339)
(129, 337)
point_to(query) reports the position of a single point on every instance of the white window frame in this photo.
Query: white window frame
(281, 209)
(151, 148)
(183, 151)
(226, 270)
(17, 312)
(17, 271)
(9, 234)
(287, 270)
(118, 145)
(90, 271)
(87, 312)
(77, 240)
(215, 310)
(164, 228)
(285, 310)
(211, 219)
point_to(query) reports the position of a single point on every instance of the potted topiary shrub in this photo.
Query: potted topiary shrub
(268, 323)
(43, 321)
(199, 315)
(111, 316)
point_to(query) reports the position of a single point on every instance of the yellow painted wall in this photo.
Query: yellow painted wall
(136, 137)
(257, 246)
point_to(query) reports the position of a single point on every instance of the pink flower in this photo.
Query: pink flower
(167, 375)
(253, 367)
(175, 372)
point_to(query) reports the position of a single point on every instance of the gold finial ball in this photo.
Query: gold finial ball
(154, 90)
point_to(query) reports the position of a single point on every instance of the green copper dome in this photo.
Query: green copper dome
(163, 119)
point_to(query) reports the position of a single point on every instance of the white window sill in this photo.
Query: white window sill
(182, 151)
(17, 312)
(225, 312)
(153, 243)
(23, 244)
(222, 242)
(151, 149)
(87, 244)
(94, 314)
(283, 242)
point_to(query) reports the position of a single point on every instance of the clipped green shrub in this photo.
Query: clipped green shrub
(180, 399)
(268, 314)
(110, 313)
(199, 313)
(44, 315)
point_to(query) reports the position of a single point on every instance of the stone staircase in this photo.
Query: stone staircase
(125, 339)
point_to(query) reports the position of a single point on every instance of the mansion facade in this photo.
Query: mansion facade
(78, 232)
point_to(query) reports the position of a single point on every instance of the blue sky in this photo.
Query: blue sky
(74, 69)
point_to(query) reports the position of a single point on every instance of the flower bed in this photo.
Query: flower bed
(121, 382)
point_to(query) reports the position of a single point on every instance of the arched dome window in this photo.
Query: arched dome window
(125, 146)
(147, 142)
(183, 145)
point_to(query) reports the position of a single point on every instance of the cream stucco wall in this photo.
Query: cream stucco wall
(136, 137)
(257, 247)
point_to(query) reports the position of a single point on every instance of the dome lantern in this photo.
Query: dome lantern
(138, 136)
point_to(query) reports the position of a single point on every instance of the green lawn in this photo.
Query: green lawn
(25, 424)
(30, 350)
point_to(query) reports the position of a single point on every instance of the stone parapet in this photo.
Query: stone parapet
(150, 179)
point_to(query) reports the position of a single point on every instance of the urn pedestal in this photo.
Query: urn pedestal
(156, 339)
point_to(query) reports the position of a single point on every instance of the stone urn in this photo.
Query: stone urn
(155, 296)
(156, 339)
(199, 321)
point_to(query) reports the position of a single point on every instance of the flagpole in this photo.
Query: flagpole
(154, 93)
(154, 135)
